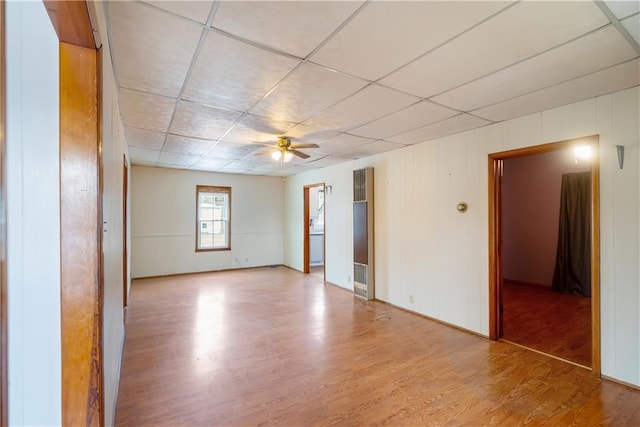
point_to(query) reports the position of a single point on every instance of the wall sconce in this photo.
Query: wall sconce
(620, 149)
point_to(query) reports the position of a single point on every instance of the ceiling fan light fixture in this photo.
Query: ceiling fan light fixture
(287, 156)
(276, 155)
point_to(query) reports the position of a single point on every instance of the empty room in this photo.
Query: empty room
(296, 213)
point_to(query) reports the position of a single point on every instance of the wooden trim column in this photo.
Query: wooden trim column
(80, 233)
(305, 231)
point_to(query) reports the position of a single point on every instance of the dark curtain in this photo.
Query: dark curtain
(572, 273)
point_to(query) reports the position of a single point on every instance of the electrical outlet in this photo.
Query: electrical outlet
(411, 299)
(348, 279)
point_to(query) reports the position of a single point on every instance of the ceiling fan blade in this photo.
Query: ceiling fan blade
(294, 146)
(266, 144)
(299, 154)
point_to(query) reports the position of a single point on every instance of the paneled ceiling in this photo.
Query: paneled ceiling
(200, 81)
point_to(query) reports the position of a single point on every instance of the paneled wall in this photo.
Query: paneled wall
(163, 221)
(425, 249)
(33, 216)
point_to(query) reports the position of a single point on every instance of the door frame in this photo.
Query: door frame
(81, 216)
(306, 262)
(495, 168)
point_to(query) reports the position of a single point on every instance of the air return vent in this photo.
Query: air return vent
(363, 268)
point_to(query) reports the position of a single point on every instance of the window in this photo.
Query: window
(213, 218)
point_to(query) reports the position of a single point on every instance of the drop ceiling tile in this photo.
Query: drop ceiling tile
(632, 25)
(367, 105)
(252, 162)
(622, 9)
(267, 168)
(308, 134)
(327, 161)
(414, 116)
(176, 159)
(234, 75)
(183, 145)
(228, 150)
(246, 165)
(146, 111)
(200, 121)
(195, 10)
(257, 128)
(519, 32)
(374, 147)
(598, 50)
(613, 79)
(294, 27)
(291, 169)
(144, 138)
(340, 144)
(307, 91)
(386, 35)
(143, 155)
(152, 50)
(210, 165)
(446, 127)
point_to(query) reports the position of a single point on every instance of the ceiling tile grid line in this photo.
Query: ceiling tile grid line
(272, 82)
(246, 112)
(519, 32)
(339, 28)
(279, 82)
(302, 61)
(203, 38)
(558, 84)
(174, 14)
(616, 23)
(460, 34)
(533, 75)
(406, 130)
(521, 61)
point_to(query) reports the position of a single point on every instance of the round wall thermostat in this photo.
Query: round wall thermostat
(462, 207)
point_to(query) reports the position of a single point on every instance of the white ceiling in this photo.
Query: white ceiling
(199, 81)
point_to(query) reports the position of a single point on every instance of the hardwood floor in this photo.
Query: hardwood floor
(275, 347)
(554, 323)
(317, 270)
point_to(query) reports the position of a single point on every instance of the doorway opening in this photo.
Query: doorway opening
(542, 295)
(314, 230)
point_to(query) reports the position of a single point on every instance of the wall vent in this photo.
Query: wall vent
(363, 254)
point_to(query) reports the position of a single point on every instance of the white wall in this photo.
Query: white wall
(113, 150)
(426, 249)
(33, 216)
(163, 221)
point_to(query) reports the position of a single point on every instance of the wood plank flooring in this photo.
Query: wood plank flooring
(274, 347)
(548, 321)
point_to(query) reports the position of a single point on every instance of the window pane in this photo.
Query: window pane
(213, 218)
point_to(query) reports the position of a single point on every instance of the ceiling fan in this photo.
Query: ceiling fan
(284, 150)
